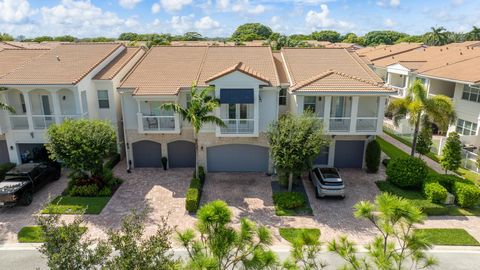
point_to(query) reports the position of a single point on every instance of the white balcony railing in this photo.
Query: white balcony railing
(40, 122)
(238, 126)
(18, 122)
(158, 123)
(43, 121)
(366, 124)
(400, 90)
(341, 124)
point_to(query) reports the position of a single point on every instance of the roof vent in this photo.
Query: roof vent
(58, 58)
(461, 53)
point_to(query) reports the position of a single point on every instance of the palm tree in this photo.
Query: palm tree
(417, 106)
(4, 106)
(198, 112)
(474, 34)
(437, 37)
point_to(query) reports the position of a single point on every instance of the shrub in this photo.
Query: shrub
(289, 200)
(372, 156)
(105, 192)
(196, 183)
(4, 168)
(445, 180)
(466, 195)
(385, 162)
(407, 172)
(435, 192)
(201, 173)
(114, 159)
(84, 191)
(192, 200)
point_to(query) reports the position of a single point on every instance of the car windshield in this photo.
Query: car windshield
(15, 177)
(332, 179)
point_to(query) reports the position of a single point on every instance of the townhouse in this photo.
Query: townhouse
(450, 70)
(69, 81)
(255, 86)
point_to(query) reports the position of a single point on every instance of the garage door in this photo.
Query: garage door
(322, 159)
(32, 152)
(349, 154)
(181, 154)
(237, 158)
(4, 158)
(147, 154)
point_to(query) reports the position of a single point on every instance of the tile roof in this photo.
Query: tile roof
(166, 69)
(280, 65)
(330, 70)
(382, 51)
(34, 45)
(64, 64)
(464, 70)
(240, 67)
(11, 59)
(112, 69)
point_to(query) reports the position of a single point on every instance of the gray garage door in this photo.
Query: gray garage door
(237, 158)
(4, 158)
(349, 154)
(181, 154)
(322, 159)
(147, 154)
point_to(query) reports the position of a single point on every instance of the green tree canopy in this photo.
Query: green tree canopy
(452, 153)
(295, 141)
(412, 39)
(128, 36)
(251, 31)
(350, 38)
(66, 38)
(474, 34)
(326, 35)
(192, 36)
(437, 37)
(374, 38)
(82, 145)
(5, 37)
(43, 38)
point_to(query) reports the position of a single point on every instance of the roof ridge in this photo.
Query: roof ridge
(312, 79)
(98, 63)
(274, 67)
(369, 71)
(10, 44)
(135, 67)
(138, 49)
(241, 67)
(202, 64)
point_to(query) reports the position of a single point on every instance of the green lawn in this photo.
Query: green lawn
(290, 234)
(467, 174)
(408, 143)
(30, 234)
(76, 205)
(449, 237)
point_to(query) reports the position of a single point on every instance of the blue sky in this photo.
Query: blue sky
(84, 18)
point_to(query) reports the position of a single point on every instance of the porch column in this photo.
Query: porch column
(326, 113)
(381, 113)
(388, 78)
(353, 115)
(57, 111)
(28, 106)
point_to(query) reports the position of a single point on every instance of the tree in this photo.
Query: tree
(192, 36)
(277, 41)
(198, 112)
(156, 39)
(5, 37)
(424, 143)
(437, 37)
(374, 38)
(295, 141)
(66, 247)
(413, 39)
(350, 38)
(456, 37)
(438, 109)
(452, 153)
(474, 34)
(128, 36)
(82, 145)
(326, 35)
(372, 156)
(43, 39)
(397, 244)
(66, 38)
(4, 106)
(220, 246)
(251, 31)
(305, 253)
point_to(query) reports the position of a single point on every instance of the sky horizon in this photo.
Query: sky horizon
(219, 18)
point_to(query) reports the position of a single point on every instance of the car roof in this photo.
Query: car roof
(23, 168)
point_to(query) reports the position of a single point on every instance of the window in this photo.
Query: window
(471, 93)
(309, 104)
(103, 99)
(22, 101)
(243, 111)
(232, 111)
(282, 97)
(466, 127)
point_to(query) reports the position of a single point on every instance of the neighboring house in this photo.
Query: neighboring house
(450, 70)
(254, 86)
(70, 81)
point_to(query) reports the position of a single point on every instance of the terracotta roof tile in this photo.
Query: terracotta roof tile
(112, 69)
(65, 64)
(279, 64)
(382, 51)
(240, 67)
(12, 59)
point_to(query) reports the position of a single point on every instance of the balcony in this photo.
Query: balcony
(339, 124)
(157, 123)
(400, 90)
(39, 122)
(238, 126)
(366, 124)
(19, 122)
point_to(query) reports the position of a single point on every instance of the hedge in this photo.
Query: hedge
(445, 180)
(192, 200)
(196, 183)
(466, 194)
(201, 174)
(407, 172)
(435, 192)
(372, 156)
(289, 200)
(114, 159)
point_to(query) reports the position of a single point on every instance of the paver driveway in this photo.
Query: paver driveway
(250, 195)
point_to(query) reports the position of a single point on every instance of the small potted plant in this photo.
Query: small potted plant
(164, 163)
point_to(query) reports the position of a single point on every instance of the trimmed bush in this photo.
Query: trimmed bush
(435, 192)
(114, 159)
(201, 173)
(466, 195)
(289, 200)
(447, 181)
(372, 156)
(196, 183)
(385, 162)
(4, 168)
(84, 191)
(192, 200)
(407, 172)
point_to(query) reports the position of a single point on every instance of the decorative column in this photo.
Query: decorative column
(326, 113)
(57, 111)
(28, 106)
(353, 114)
(380, 114)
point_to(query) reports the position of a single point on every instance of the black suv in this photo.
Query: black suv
(22, 181)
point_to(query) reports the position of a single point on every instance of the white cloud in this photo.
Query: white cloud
(318, 20)
(174, 5)
(389, 23)
(244, 6)
(156, 8)
(457, 2)
(391, 3)
(223, 4)
(181, 24)
(128, 4)
(15, 11)
(206, 23)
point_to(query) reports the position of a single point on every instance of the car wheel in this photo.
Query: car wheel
(26, 199)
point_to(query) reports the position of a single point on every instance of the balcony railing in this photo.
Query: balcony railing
(367, 124)
(238, 126)
(341, 124)
(40, 122)
(158, 123)
(43, 121)
(18, 122)
(400, 90)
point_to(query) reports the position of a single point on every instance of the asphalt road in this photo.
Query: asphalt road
(454, 258)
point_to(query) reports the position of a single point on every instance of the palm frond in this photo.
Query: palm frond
(214, 120)
(441, 111)
(6, 107)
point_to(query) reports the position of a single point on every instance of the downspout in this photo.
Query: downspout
(127, 159)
